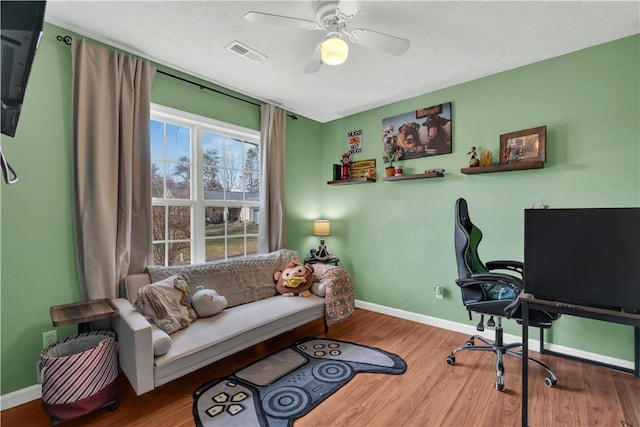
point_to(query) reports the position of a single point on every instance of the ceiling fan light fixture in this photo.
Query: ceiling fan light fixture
(334, 51)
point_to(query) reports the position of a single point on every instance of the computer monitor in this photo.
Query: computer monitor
(584, 256)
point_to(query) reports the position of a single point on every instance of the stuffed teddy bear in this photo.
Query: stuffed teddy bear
(295, 279)
(207, 302)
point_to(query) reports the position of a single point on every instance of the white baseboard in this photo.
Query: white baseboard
(19, 397)
(534, 345)
(34, 392)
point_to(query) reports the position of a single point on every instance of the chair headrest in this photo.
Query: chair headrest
(462, 214)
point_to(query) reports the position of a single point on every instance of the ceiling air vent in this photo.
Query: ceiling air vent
(245, 51)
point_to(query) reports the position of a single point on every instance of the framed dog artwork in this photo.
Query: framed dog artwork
(419, 133)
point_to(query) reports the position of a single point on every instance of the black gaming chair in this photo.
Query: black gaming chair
(491, 293)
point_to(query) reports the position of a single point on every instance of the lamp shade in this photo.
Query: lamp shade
(334, 51)
(321, 227)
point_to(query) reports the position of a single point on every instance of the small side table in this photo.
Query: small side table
(87, 363)
(82, 313)
(312, 260)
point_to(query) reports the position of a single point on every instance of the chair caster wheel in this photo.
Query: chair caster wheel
(550, 382)
(451, 360)
(469, 343)
(499, 386)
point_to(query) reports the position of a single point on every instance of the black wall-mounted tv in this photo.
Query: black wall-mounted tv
(584, 256)
(20, 31)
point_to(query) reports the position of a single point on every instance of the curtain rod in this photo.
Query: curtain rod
(67, 40)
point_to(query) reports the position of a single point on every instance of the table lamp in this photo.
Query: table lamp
(322, 228)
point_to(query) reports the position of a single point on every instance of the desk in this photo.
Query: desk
(572, 310)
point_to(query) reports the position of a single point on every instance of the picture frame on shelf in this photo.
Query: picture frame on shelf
(524, 145)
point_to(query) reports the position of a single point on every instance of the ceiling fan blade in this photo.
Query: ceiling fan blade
(347, 9)
(315, 62)
(285, 21)
(385, 42)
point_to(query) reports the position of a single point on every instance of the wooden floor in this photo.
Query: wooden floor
(430, 393)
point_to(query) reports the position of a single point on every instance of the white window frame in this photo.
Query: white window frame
(197, 202)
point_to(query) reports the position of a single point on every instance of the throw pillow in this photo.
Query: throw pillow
(207, 302)
(167, 303)
(320, 271)
(161, 341)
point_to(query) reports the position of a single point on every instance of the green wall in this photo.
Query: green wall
(394, 237)
(397, 237)
(37, 249)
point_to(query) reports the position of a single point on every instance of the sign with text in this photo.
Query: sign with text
(354, 141)
(359, 168)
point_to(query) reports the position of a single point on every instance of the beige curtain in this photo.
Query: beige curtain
(112, 189)
(273, 232)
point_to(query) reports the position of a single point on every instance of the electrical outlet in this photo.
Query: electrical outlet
(438, 291)
(49, 338)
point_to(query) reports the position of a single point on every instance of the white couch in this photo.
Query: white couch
(206, 340)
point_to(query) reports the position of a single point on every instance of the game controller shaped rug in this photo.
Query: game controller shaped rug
(288, 384)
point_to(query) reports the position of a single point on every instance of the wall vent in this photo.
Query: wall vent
(245, 51)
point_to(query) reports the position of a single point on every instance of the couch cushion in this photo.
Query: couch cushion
(132, 284)
(238, 322)
(239, 280)
(167, 303)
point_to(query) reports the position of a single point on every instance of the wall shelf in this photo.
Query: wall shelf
(352, 181)
(538, 164)
(427, 174)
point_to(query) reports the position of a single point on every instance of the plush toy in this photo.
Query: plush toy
(295, 279)
(207, 302)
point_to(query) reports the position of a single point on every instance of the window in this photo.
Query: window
(205, 188)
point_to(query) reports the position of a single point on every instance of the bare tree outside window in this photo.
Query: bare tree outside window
(210, 174)
(251, 170)
(227, 171)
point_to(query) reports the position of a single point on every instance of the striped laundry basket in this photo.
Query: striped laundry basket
(78, 374)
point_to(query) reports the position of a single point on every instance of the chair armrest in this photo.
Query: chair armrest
(135, 346)
(516, 266)
(513, 282)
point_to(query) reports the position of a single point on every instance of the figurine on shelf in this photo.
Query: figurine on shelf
(473, 162)
(346, 162)
(486, 158)
(507, 154)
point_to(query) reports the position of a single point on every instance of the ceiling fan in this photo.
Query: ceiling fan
(333, 17)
